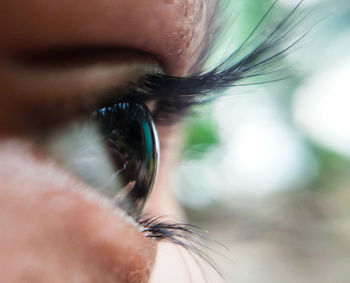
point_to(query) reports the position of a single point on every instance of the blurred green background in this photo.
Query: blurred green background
(266, 168)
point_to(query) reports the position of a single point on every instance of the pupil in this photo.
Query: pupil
(132, 143)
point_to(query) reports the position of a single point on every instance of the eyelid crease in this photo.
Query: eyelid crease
(48, 92)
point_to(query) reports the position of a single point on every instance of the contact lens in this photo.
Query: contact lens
(132, 144)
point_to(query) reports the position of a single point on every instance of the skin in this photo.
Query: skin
(54, 227)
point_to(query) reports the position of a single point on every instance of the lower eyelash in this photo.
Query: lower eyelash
(187, 236)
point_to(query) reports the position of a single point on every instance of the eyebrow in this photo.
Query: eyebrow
(175, 95)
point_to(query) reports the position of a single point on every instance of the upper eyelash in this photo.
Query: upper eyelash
(176, 94)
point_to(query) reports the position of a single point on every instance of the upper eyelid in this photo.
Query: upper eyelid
(44, 98)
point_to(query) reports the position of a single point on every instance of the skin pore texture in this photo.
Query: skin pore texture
(56, 57)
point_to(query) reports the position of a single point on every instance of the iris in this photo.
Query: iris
(132, 144)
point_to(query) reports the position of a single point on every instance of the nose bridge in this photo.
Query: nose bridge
(55, 229)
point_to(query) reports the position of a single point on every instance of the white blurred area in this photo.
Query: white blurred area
(322, 107)
(259, 153)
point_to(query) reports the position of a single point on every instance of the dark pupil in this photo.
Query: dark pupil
(132, 143)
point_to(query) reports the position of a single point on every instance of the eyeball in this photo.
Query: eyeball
(115, 151)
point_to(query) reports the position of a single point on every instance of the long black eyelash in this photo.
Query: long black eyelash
(176, 94)
(187, 236)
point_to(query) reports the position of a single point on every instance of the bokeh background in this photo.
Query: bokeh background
(266, 168)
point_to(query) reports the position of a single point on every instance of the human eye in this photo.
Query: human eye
(124, 129)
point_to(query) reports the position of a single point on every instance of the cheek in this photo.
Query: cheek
(53, 229)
